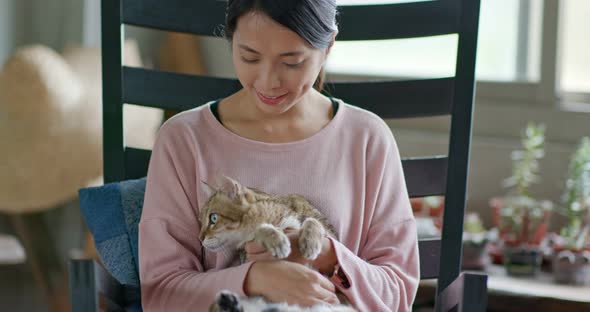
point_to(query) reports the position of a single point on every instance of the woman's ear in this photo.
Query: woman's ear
(329, 49)
(332, 42)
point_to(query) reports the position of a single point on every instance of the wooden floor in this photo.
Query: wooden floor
(18, 291)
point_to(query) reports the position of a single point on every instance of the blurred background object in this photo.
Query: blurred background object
(52, 146)
(51, 143)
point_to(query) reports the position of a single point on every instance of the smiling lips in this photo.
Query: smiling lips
(271, 100)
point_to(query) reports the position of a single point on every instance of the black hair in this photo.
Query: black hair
(312, 20)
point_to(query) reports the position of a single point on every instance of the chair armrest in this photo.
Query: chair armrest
(92, 288)
(468, 292)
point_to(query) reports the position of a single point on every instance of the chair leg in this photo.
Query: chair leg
(89, 247)
(42, 259)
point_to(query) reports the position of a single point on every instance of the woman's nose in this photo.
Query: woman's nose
(268, 79)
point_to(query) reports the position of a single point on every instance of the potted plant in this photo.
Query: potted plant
(522, 220)
(475, 241)
(428, 212)
(571, 263)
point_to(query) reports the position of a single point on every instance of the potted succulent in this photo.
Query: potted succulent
(521, 219)
(475, 242)
(571, 263)
(428, 212)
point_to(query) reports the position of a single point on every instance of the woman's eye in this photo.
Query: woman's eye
(213, 218)
(249, 61)
(294, 65)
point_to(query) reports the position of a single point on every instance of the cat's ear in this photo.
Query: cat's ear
(249, 195)
(238, 191)
(208, 189)
(231, 186)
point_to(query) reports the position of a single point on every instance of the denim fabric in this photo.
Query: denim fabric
(112, 213)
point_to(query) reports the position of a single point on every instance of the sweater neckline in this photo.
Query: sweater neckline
(221, 130)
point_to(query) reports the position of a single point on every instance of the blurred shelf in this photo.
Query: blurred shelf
(508, 293)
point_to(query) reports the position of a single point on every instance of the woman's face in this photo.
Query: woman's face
(275, 66)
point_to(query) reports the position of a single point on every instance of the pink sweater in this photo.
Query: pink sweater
(350, 170)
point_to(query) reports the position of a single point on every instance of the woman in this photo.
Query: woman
(281, 135)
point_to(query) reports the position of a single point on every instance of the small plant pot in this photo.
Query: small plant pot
(522, 261)
(572, 267)
(534, 237)
(475, 256)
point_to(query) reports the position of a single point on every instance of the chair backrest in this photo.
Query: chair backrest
(439, 175)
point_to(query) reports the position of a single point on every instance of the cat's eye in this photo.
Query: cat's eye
(213, 218)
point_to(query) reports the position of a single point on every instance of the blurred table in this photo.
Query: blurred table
(539, 293)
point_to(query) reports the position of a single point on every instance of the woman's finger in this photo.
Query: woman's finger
(326, 296)
(326, 284)
(254, 248)
(260, 256)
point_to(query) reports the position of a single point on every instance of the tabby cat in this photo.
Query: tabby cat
(234, 215)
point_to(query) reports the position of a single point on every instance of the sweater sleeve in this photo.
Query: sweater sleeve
(384, 276)
(172, 273)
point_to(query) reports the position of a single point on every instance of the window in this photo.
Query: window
(508, 47)
(574, 51)
(529, 51)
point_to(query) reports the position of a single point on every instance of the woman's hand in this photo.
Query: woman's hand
(285, 281)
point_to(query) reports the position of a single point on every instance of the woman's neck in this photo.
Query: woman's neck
(307, 107)
(242, 116)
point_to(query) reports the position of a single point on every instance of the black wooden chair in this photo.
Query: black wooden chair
(92, 286)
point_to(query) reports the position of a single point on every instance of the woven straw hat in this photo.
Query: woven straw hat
(51, 126)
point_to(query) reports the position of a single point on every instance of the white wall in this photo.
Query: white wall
(53, 23)
(57, 23)
(7, 28)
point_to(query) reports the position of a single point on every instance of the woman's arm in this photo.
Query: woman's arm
(172, 275)
(172, 271)
(384, 275)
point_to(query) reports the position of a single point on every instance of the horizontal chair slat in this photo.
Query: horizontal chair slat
(171, 90)
(388, 99)
(429, 258)
(200, 17)
(391, 21)
(360, 22)
(425, 176)
(399, 99)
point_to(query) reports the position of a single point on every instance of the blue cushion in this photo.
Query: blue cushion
(112, 213)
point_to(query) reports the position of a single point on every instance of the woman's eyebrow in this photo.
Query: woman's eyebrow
(292, 53)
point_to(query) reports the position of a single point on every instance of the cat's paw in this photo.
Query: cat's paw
(226, 301)
(275, 241)
(310, 238)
